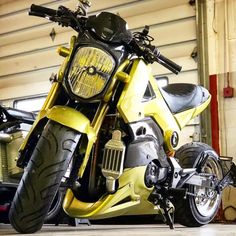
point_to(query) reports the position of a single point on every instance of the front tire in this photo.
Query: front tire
(42, 177)
(197, 211)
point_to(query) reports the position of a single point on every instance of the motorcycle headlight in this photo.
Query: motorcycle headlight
(90, 71)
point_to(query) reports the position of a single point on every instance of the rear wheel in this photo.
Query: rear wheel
(42, 177)
(199, 208)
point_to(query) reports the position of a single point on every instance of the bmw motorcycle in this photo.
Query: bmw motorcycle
(107, 123)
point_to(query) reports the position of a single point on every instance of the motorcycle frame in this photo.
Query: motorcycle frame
(132, 196)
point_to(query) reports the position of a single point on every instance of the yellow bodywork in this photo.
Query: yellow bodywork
(132, 194)
(184, 117)
(129, 199)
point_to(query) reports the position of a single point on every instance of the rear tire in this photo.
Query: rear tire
(197, 211)
(42, 177)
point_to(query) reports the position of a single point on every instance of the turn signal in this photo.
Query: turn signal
(63, 51)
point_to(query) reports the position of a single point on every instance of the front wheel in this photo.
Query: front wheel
(42, 177)
(202, 204)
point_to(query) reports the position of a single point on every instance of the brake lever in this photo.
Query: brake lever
(69, 17)
(61, 20)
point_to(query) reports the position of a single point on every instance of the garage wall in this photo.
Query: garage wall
(227, 74)
(223, 64)
(28, 53)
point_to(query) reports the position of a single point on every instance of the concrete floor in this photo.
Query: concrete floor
(132, 230)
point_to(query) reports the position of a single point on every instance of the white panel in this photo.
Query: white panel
(151, 18)
(174, 32)
(161, 16)
(35, 44)
(41, 39)
(12, 7)
(190, 77)
(24, 90)
(30, 62)
(27, 78)
(21, 20)
(232, 55)
(187, 64)
(142, 7)
(231, 7)
(178, 50)
(31, 33)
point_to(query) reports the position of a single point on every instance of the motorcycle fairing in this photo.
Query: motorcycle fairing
(184, 117)
(130, 104)
(132, 108)
(146, 145)
(131, 198)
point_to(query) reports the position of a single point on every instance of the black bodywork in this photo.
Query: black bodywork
(10, 117)
(146, 144)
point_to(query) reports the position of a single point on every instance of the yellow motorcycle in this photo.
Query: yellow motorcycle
(111, 133)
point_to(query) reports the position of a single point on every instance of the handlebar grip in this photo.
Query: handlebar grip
(41, 11)
(175, 68)
(36, 14)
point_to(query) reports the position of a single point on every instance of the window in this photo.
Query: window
(30, 104)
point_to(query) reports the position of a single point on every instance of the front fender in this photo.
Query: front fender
(75, 120)
(71, 118)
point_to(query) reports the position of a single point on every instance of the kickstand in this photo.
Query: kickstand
(157, 199)
(166, 215)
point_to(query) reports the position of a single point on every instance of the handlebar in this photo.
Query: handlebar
(152, 54)
(169, 64)
(40, 11)
(65, 17)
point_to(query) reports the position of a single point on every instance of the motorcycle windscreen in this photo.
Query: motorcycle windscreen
(110, 28)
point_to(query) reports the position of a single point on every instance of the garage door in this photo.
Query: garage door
(28, 44)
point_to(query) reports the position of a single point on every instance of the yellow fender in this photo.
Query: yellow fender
(71, 118)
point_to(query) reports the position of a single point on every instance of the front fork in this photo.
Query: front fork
(68, 117)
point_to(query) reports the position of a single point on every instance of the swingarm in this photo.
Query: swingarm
(193, 176)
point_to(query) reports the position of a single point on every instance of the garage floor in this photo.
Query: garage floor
(139, 230)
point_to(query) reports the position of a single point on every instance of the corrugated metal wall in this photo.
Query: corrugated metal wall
(28, 53)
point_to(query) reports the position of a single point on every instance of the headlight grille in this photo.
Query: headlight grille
(90, 70)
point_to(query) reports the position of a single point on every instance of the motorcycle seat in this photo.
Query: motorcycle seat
(181, 96)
